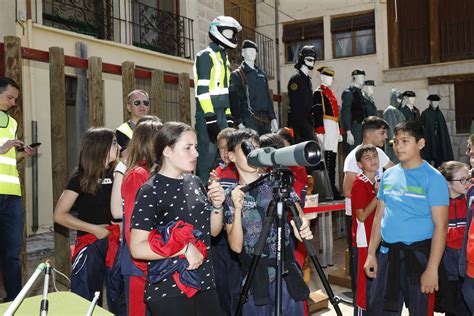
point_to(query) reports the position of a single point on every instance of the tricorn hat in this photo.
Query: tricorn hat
(408, 94)
(433, 97)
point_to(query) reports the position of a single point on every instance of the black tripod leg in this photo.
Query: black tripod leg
(267, 225)
(312, 254)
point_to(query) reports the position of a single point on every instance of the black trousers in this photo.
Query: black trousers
(203, 303)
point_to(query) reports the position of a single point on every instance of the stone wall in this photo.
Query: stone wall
(447, 106)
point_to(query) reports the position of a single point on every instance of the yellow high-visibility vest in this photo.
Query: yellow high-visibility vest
(9, 179)
(216, 88)
(126, 130)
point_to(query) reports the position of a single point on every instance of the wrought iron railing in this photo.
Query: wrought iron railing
(145, 26)
(266, 52)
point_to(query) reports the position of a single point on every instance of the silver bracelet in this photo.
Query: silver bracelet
(217, 210)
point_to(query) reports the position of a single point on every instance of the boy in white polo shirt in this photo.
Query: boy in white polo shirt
(374, 131)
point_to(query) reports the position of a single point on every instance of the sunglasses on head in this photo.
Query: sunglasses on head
(144, 102)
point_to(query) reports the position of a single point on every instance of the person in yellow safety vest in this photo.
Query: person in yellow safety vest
(211, 77)
(138, 105)
(11, 211)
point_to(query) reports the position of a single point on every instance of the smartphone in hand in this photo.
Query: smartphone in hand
(33, 145)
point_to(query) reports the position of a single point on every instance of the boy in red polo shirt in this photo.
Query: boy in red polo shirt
(364, 203)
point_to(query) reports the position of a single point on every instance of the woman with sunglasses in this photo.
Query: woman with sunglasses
(88, 193)
(459, 180)
(138, 105)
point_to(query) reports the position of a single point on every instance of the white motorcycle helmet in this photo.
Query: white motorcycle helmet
(223, 31)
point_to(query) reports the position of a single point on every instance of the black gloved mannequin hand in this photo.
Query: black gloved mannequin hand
(212, 126)
(230, 120)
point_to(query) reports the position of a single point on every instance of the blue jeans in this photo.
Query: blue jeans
(11, 238)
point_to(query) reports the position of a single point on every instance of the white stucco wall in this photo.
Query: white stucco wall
(36, 94)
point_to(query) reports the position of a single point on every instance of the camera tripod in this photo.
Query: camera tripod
(277, 210)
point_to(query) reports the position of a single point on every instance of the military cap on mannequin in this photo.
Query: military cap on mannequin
(326, 71)
(356, 72)
(369, 83)
(249, 44)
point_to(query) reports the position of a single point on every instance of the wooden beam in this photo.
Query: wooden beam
(393, 35)
(450, 79)
(12, 64)
(96, 92)
(434, 31)
(128, 84)
(157, 94)
(57, 90)
(184, 98)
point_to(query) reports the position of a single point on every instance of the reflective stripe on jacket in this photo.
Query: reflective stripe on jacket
(9, 179)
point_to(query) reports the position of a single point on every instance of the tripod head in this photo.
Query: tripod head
(281, 176)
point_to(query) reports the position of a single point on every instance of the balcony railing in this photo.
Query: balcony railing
(146, 26)
(265, 56)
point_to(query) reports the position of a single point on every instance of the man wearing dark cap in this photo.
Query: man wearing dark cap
(352, 111)
(326, 124)
(300, 93)
(370, 108)
(438, 147)
(408, 108)
(250, 100)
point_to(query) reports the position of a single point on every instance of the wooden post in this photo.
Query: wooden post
(157, 94)
(184, 98)
(96, 92)
(59, 151)
(13, 63)
(393, 35)
(128, 84)
(434, 31)
(285, 102)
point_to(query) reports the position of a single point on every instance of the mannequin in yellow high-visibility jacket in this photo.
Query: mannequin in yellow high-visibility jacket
(211, 77)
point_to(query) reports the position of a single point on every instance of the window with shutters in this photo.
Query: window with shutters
(456, 29)
(297, 35)
(353, 35)
(464, 94)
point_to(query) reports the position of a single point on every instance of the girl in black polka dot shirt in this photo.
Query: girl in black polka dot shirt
(174, 194)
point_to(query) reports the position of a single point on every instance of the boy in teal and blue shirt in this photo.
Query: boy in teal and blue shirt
(410, 227)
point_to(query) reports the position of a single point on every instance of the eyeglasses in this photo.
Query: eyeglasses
(144, 102)
(463, 180)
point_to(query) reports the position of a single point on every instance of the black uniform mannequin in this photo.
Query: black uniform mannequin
(352, 111)
(251, 104)
(437, 142)
(370, 108)
(300, 93)
(408, 108)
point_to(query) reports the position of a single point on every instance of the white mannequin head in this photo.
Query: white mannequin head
(358, 80)
(368, 90)
(434, 100)
(309, 62)
(326, 75)
(249, 55)
(410, 100)
(326, 80)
